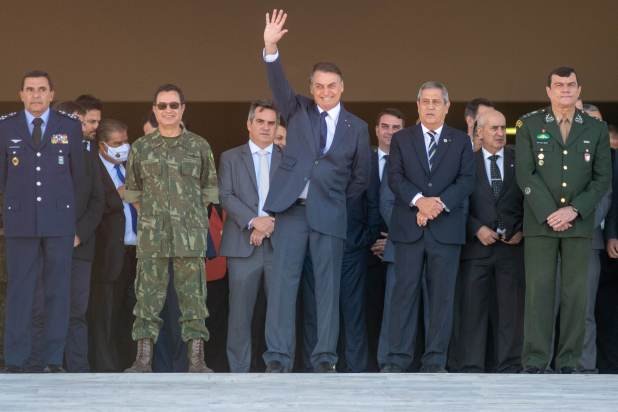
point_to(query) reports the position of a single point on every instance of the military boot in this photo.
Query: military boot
(143, 360)
(197, 364)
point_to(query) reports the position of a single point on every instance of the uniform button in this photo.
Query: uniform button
(562, 200)
(565, 152)
(429, 184)
(68, 206)
(38, 168)
(564, 184)
(38, 154)
(9, 207)
(565, 167)
(38, 183)
(38, 199)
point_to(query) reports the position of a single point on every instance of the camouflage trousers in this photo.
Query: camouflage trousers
(150, 291)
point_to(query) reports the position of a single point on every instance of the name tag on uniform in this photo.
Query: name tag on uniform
(59, 139)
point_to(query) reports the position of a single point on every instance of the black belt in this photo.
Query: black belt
(300, 202)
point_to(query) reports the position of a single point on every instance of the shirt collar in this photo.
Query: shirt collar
(438, 131)
(109, 165)
(30, 117)
(255, 148)
(332, 113)
(381, 154)
(486, 154)
(568, 116)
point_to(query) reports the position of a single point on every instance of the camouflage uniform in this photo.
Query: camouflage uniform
(173, 180)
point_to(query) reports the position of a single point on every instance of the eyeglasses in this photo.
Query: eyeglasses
(172, 105)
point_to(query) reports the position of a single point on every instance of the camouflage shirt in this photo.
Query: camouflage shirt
(173, 180)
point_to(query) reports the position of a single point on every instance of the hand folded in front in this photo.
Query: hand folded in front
(265, 224)
(430, 207)
(487, 236)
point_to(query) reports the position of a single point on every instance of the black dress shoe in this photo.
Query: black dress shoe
(532, 369)
(433, 369)
(325, 367)
(274, 367)
(391, 368)
(12, 369)
(567, 370)
(53, 369)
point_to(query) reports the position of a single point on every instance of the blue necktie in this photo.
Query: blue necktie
(131, 208)
(323, 131)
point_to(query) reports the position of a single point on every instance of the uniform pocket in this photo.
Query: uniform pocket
(148, 234)
(151, 167)
(190, 166)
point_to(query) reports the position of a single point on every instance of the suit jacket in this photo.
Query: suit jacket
(387, 202)
(39, 183)
(611, 221)
(451, 179)
(484, 208)
(90, 202)
(364, 220)
(109, 256)
(340, 173)
(238, 191)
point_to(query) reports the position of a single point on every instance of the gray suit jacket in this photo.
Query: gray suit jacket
(239, 197)
(340, 173)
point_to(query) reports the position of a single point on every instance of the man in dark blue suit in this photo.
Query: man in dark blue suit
(431, 173)
(41, 165)
(325, 162)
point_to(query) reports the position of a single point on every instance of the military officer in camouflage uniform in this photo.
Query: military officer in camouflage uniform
(171, 178)
(563, 168)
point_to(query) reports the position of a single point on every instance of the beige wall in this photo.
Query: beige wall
(120, 50)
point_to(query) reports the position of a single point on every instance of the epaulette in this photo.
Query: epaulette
(7, 116)
(588, 117)
(520, 122)
(69, 115)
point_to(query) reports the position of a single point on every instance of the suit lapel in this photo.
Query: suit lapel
(314, 120)
(247, 158)
(481, 173)
(341, 129)
(443, 146)
(418, 142)
(22, 130)
(509, 171)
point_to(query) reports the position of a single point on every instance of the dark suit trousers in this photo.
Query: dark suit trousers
(24, 259)
(477, 290)
(440, 262)
(110, 319)
(76, 350)
(292, 240)
(375, 289)
(607, 316)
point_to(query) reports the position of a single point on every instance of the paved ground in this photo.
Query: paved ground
(308, 392)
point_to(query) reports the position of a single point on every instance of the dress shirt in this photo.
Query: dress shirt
(381, 162)
(255, 154)
(30, 118)
(130, 238)
(427, 138)
(499, 161)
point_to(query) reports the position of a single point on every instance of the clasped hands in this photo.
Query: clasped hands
(488, 237)
(561, 219)
(429, 208)
(262, 227)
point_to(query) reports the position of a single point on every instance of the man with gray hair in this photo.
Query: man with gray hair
(431, 173)
(244, 181)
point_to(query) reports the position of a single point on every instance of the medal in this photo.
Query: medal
(541, 156)
(15, 161)
(541, 162)
(587, 157)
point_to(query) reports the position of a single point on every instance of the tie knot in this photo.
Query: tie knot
(385, 157)
(37, 121)
(494, 158)
(324, 114)
(117, 167)
(565, 120)
(431, 133)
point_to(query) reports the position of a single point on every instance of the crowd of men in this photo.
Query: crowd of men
(438, 250)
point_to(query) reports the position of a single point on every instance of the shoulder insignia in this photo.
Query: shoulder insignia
(549, 118)
(519, 123)
(69, 115)
(7, 116)
(535, 112)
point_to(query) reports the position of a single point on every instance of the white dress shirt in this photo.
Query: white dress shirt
(255, 154)
(381, 162)
(130, 238)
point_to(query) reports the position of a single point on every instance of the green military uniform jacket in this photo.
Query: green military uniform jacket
(553, 174)
(173, 180)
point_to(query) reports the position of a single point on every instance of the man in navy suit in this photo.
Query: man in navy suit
(431, 173)
(41, 165)
(325, 162)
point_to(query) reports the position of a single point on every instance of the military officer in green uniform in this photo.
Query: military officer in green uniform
(171, 178)
(563, 169)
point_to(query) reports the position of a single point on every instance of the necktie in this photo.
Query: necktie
(323, 131)
(263, 181)
(433, 145)
(36, 131)
(496, 183)
(131, 208)
(86, 145)
(565, 128)
(385, 168)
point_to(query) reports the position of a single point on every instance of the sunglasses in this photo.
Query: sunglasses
(172, 105)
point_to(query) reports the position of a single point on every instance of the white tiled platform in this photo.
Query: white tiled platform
(308, 392)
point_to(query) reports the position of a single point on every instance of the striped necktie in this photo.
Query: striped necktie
(433, 145)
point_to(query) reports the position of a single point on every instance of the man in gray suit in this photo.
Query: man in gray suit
(326, 161)
(244, 182)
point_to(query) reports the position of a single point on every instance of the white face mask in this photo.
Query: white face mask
(119, 154)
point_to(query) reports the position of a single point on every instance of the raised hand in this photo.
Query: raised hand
(274, 31)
